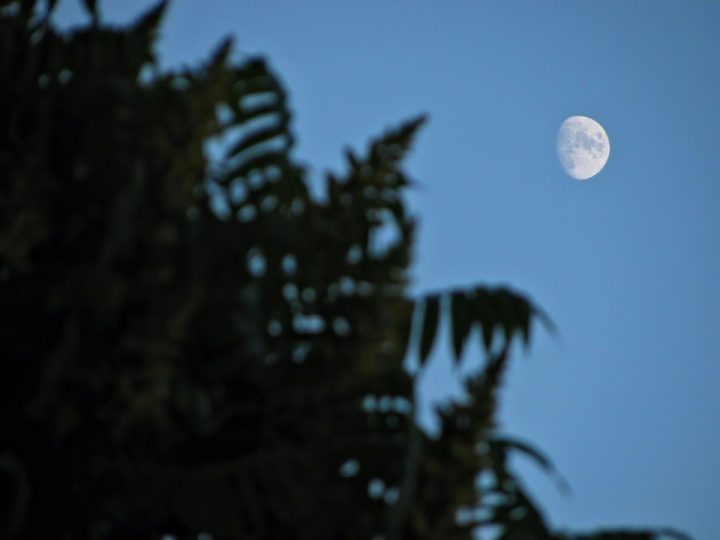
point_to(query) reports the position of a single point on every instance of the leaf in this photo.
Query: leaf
(51, 4)
(91, 7)
(545, 319)
(147, 24)
(220, 55)
(259, 137)
(253, 163)
(352, 160)
(484, 315)
(506, 310)
(247, 114)
(524, 311)
(516, 513)
(405, 328)
(387, 151)
(429, 326)
(538, 457)
(461, 322)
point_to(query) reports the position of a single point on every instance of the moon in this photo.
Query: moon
(582, 146)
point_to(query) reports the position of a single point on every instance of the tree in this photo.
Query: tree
(200, 345)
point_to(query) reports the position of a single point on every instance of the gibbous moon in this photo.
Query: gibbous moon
(583, 147)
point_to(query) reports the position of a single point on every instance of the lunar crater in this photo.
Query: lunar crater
(583, 147)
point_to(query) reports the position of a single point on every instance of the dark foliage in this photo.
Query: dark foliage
(195, 345)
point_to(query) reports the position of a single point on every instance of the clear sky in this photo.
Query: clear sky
(626, 399)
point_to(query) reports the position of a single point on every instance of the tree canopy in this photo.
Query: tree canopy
(196, 344)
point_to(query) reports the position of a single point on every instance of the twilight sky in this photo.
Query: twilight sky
(626, 398)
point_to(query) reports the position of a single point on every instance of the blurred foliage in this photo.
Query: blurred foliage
(200, 345)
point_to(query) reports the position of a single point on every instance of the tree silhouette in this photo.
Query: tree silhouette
(196, 345)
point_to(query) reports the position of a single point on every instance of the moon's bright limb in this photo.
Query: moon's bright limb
(583, 147)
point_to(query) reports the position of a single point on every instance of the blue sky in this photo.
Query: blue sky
(625, 399)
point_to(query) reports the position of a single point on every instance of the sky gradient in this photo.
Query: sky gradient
(625, 397)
